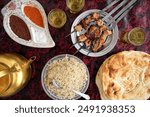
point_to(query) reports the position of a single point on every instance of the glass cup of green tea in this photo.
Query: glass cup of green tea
(57, 18)
(75, 5)
(136, 36)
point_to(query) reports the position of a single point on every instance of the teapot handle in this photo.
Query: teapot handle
(9, 70)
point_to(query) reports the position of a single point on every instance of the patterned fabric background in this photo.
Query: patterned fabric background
(138, 16)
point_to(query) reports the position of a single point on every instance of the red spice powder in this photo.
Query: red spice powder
(34, 15)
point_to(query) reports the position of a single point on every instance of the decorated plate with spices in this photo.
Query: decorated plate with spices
(25, 22)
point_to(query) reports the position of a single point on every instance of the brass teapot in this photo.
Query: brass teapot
(15, 72)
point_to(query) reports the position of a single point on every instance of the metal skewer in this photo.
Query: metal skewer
(79, 49)
(70, 34)
(110, 5)
(115, 9)
(82, 47)
(119, 16)
(105, 9)
(111, 24)
(74, 44)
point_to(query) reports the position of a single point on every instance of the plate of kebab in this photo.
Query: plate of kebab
(91, 36)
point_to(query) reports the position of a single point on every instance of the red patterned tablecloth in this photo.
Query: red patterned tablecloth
(138, 16)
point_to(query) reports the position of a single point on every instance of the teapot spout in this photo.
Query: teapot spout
(33, 58)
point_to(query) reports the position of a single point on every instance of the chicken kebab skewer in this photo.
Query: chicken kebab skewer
(87, 38)
(85, 23)
(96, 33)
(99, 36)
(82, 38)
(77, 28)
(87, 45)
(97, 44)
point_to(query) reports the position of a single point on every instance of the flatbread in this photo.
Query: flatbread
(125, 76)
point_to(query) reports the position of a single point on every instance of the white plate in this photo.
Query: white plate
(109, 44)
(40, 37)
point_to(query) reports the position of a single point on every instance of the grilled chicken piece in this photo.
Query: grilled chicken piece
(78, 28)
(99, 22)
(87, 35)
(97, 33)
(85, 26)
(88, 20)
(104, 36)
(108, 32)
(92, 29)
(103, 28)
(97, 44)
(82, 38)
(88, 43)
(95, 16)
(91, 32)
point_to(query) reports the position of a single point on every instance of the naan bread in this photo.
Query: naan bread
(125, 76)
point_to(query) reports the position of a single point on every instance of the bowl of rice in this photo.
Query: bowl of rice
(69, 72)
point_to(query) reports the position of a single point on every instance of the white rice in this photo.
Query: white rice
(69, 74)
